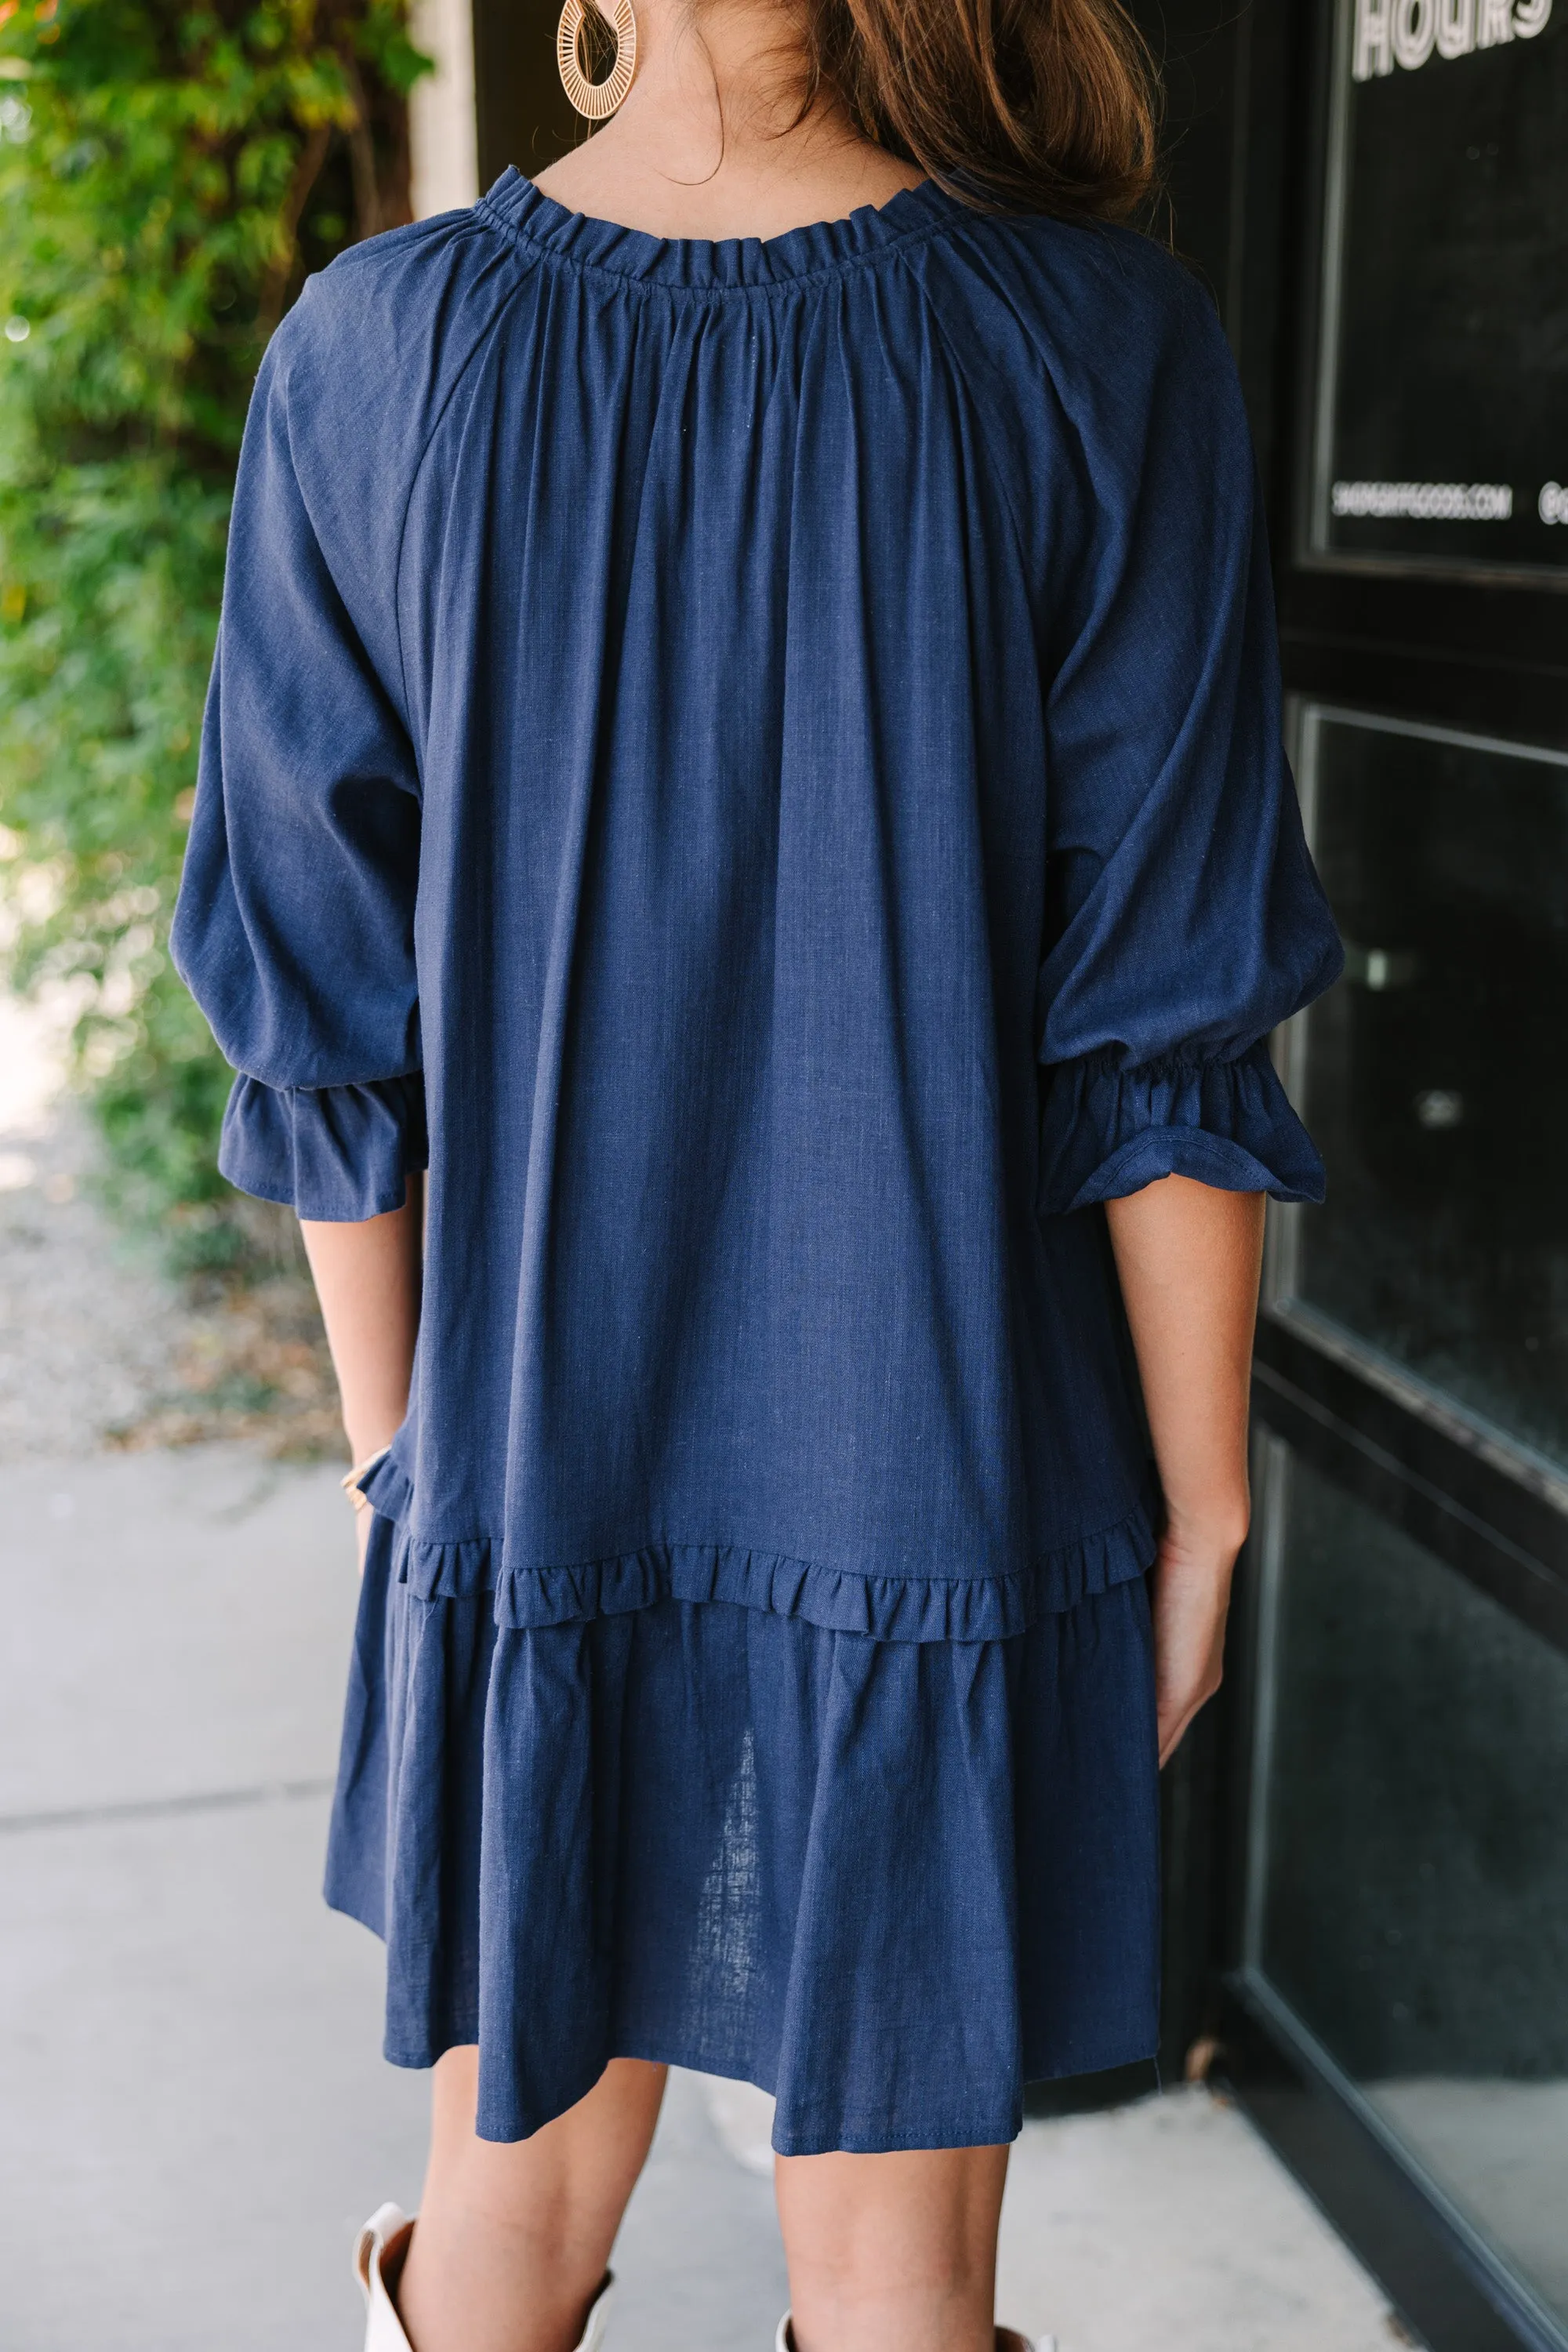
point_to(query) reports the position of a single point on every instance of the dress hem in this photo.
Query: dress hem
(855, 2138)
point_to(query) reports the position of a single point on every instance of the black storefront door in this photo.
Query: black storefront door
(1377, 1827)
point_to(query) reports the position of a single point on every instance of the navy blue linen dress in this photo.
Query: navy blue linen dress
(763, 760)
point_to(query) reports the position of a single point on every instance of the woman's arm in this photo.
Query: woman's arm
(367, 1278)
(1189, 1258)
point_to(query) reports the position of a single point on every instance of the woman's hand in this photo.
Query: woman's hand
(1188, 1257)
(1190, 1599)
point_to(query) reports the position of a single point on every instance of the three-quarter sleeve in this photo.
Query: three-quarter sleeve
(294, 929)
(1184, 918)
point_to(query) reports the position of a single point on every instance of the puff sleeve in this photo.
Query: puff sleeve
(1184, 918)
(294, 928)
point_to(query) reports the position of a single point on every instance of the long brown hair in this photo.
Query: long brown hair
(1013, 105)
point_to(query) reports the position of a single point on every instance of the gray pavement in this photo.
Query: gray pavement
(193, 2114)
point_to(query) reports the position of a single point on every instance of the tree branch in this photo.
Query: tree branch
(307, 171)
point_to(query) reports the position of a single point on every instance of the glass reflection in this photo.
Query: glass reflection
(1432, 1075)
(1411, 1904)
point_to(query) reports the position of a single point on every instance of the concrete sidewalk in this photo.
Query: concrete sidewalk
(193, 2114)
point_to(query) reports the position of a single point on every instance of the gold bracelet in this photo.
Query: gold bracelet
(349, 1484)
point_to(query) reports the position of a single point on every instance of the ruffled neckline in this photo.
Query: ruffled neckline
(515, 203)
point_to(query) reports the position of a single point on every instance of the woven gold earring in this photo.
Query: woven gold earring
(597, 99)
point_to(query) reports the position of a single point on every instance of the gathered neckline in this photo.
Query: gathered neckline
(517, 204)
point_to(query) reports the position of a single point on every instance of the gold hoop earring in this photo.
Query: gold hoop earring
(597, 99)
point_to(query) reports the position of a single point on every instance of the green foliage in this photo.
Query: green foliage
(168, 175)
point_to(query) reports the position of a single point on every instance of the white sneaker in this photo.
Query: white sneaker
(379, 2257)
(1007, 2340)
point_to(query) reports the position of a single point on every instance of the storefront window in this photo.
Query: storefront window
(1432, 1075)
(1442, 425)
(1409, 1876)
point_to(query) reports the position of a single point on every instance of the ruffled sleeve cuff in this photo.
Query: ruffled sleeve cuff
(336, 1153)
(1106, 1132)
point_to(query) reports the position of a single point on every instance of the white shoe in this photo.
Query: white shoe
(1007, 2340)
(379, 2257)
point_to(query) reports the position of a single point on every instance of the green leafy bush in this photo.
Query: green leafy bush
(168, 175)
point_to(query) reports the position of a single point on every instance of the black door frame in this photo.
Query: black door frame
(1477, 653)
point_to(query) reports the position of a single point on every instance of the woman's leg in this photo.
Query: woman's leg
(513, 2238)
(893, 2254)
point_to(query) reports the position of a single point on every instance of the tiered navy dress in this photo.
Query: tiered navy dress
(763, 760)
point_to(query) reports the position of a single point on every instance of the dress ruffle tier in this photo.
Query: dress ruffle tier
(886, 1608)
(637, 1835)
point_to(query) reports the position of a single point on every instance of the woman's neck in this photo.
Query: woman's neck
(707, 144)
